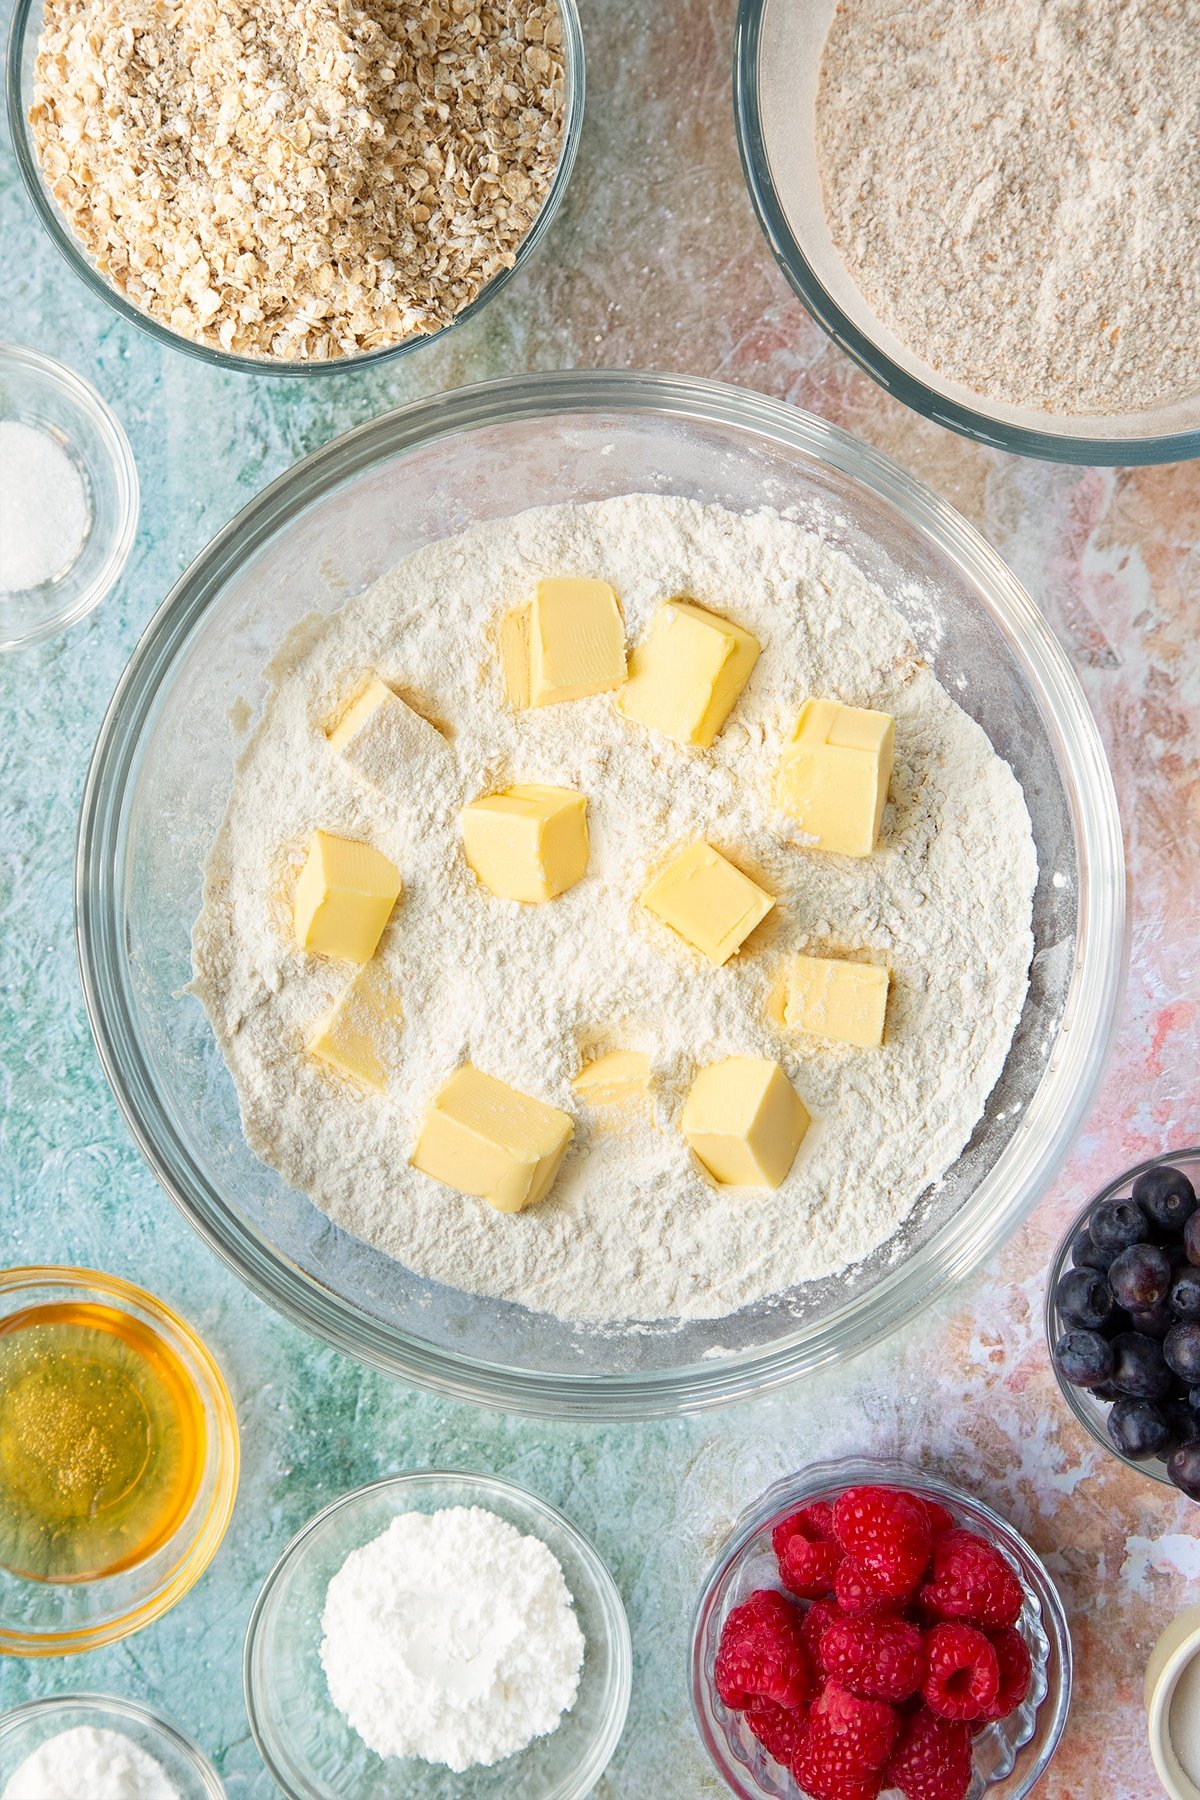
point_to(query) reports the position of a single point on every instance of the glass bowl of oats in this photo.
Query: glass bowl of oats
(339, 205)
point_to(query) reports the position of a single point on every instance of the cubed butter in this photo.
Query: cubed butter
(615, 1077)
(484, 1138)
(385, 741)
(527, 843)
(834, 774)
(514, 655)
(349, 1036)
(344, 898)
(833, 998)
(745, 1121)
(707, 901)
(687, 672)
(576, 641)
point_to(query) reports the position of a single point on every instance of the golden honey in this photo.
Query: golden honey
(102, 1441)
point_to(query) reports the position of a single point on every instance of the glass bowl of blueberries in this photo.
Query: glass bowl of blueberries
(1123, 1318)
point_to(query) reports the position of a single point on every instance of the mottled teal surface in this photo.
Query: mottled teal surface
(655, 262)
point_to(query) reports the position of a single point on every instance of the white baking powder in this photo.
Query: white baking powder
(1014, 186)
(451, 1637)
(1183, 1720)
(90, 1763)
(43, 507)
(631, 1227)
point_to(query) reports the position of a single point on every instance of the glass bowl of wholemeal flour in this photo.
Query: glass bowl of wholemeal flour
(343, 204)
(992, 209)
(635, 1287)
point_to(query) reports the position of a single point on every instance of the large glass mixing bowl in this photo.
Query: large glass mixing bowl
(160, 780)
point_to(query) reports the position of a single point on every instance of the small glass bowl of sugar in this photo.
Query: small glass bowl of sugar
(68, 497)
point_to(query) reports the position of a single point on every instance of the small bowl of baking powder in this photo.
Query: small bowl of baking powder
(68, 497)
(448, 1634)
(102, 1747)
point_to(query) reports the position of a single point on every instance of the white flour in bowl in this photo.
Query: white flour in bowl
(631, 1228)
(1014, 186)
(90, 1761)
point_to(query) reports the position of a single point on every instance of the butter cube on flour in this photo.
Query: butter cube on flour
(576, 641)
(834, 774)
(744, 1121)
(613, 1078)
(344, 898)
(686, 674)
(830, 997)
(528, 842)
(349, 1036)
(707, 901)
(485, 1138)
(382, 739)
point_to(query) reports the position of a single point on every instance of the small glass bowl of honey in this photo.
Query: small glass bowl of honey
(118, 1459)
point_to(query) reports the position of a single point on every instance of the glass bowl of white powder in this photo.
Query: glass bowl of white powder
(427, 1648)
(70, 1745)
(990, 209)
(68, 497)
(712, 1319)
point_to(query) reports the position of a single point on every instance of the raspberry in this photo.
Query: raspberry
(880, 1659)
(817, 1620)
(865, 1728)
(819, 1768)
(857, 1593)
(813, 1522)
(1016, 1671)
(971, 1581)
(932, 1759)
(964, 1672)
(940, 1519)
(888, 1534)
(761, 1654)
(777, 1729)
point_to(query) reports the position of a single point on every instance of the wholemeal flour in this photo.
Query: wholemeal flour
(631, 1227)
(1014, 186)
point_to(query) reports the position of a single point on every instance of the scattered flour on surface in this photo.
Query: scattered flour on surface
(452, 1637)
(1014, 187)
(88, 1760)
(631, 1228)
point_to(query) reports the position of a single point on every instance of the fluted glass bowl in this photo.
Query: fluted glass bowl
(777, 139)
(1009, 1757)
(26, 1727)
(160, 779)
(1091, 1412)
(24, 32)
(310, 1748)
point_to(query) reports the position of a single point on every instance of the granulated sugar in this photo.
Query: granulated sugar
(1014, 186)
(631, 1227)
(90, 1763)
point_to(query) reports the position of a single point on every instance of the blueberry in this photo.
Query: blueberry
(1138, 1366)
(1155, 1322)
(1191, 1239)
(1181, 1351)
(1137, 1427)
(1083, 1358)
(1085, 1255)
(1180, 1418)
(1140, 1277)
(1185, 1295)
(1083, 1298)
(1194, 1398)
(1106, 1390)
(1166, 1196)
(1115, 1224)
(1183, 1466)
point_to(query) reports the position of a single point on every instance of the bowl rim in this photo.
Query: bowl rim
(222, 1454)
(1150, 1468)
(27, 12)
(81, 394)
(969, 421)
(480, 1487)
(963, 1243)
(115, 1705)
(804, 1486)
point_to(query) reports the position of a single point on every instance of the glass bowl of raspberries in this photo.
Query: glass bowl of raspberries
(1123, 1318)
(870, 1630)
